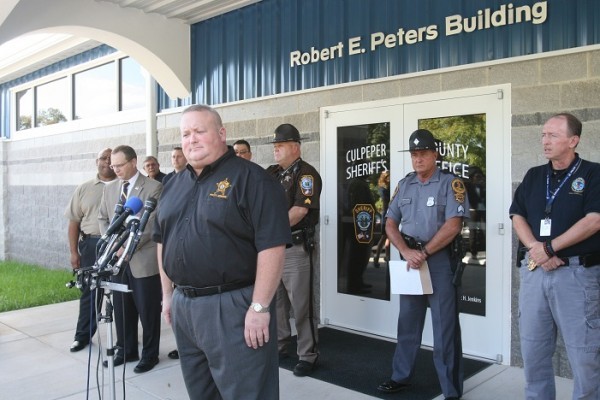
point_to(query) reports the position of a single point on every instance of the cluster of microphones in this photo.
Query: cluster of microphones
(117, 245)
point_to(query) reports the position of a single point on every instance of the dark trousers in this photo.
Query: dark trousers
(144, 302)
(86, 322)
(447, 344)
(215, 361)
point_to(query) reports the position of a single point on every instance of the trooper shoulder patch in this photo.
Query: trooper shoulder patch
(306, 185)
(458, 187)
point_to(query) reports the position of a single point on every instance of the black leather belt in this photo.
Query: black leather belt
(85, 236)
(588, 260)
(189, 291)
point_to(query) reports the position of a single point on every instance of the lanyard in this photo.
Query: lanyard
(550, 199)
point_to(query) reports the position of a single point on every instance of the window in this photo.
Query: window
(24, 102)
(96, 91)
(133, 93)
(52, 102)
(115, 85)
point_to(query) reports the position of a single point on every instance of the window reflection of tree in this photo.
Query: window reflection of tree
(468, 131)
(383, 186)
(476, 193)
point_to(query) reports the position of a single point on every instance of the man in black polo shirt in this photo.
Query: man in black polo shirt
(556, 215)
(222, 229)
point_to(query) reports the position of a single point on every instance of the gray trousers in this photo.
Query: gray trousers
(567, 298)
(215, 361)
(447, 344)
(294, 291)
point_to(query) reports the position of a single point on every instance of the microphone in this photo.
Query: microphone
(149, 206)
(129, 246)
(118, 211)
(114, 244)
(132, 206)
(101, 245)
(134, 240)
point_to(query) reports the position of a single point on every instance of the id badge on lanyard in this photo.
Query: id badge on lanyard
(546, 223)
(545, 227)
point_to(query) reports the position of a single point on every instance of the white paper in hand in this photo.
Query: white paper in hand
(413, 281)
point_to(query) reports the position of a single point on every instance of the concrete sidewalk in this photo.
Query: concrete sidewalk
(35, 363)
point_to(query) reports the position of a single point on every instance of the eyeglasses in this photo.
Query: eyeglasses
(118, 166)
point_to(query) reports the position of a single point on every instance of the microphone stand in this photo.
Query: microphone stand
(109, 263)
(103, 269)
(126, 241)
(107, 318)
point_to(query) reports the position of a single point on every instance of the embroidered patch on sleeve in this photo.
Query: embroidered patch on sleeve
(307, 185)
(458, 187)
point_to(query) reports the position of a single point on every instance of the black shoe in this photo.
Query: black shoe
(453, 398)
(304, 368)
(392, 386)
(173, 355)
(78, 345)
(120, 361)
(145, 365)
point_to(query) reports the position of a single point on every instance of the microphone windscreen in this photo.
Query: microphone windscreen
(150, 204)
(134, 204)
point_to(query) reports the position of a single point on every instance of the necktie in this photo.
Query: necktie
(123, 197)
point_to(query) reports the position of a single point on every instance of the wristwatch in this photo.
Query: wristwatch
(259, 308)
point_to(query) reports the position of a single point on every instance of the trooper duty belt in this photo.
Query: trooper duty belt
(413, 243)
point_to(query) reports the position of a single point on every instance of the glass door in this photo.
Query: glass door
(359, 148)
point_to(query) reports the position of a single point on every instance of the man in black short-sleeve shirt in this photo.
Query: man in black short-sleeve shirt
(556, 216)
(222, 229)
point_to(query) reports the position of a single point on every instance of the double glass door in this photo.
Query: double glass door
(362, 154)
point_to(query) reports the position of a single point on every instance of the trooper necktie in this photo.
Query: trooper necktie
(123, 197)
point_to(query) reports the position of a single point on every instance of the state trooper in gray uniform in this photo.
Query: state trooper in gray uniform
(431, 205)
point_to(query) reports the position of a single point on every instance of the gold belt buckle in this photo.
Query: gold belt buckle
(531, 265)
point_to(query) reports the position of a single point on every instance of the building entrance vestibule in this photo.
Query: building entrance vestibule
(362, 163)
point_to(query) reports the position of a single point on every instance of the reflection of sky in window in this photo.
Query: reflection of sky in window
(54, 95)
(24, 109)
(96, 91)
(134, 95)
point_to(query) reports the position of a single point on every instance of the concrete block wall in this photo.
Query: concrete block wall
(40, 176)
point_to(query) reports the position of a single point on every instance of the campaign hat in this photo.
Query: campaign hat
(422, 139)
(286, 133)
